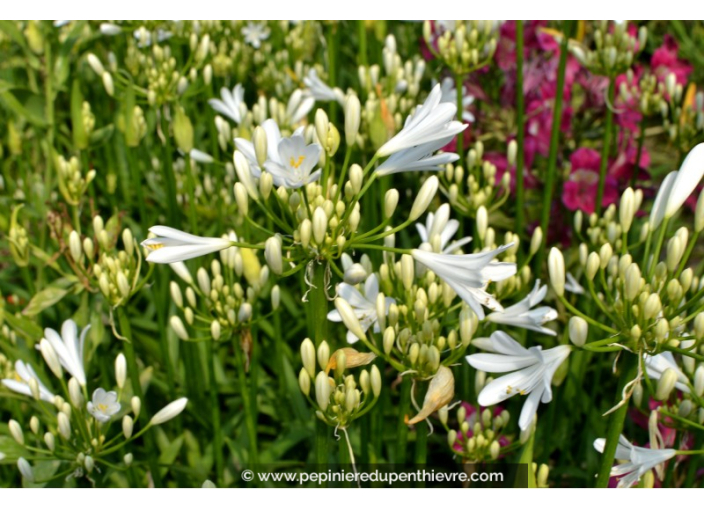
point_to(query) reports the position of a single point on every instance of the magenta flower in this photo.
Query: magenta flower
(665, 61)
(580, 190)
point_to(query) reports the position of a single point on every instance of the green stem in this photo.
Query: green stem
(133, 370)
(249, 415)
(169, 177)
(191, 190)
(606, 145)
(403, 407)
(554, 143)
(520, 127)
(215, 413)
(362, 57)
(318, 328)
(616, 421)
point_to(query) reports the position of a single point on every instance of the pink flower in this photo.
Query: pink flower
(580, 190)
(665, 61)
(624, 165)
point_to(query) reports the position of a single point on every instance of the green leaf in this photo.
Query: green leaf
(9, 101)
(50, 295)
(22, 326)
(102, 135)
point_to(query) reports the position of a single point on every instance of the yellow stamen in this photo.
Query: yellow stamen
(296, 164)
(153, 247)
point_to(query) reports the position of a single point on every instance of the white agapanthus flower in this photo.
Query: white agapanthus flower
(640, 460)
(293, 163)
(431, 122)
(418, 159)
(449, 95)
(364, 306)
(469, 275)
(273, 137)
(255, 33)
(655, 367)
(299, 105)
(572, 285)
(144, 36)
(320, 90)
(231, 103)
(173, 245)
(686, 180)
(531, 374)
(526, 313)
(104, 405)
(20, 384)
(439, 229)
(69, 348)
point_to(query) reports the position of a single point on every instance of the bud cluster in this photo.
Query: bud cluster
(479, 435)
(339, 397)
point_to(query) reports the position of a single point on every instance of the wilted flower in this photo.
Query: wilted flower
(440, 392)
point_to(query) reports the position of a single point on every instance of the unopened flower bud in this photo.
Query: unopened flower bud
(578, 330)
(556, 269)
(127, 426)
(322, 390)
(273, 256)
(425, 195)
(390, 202)
(320, 225)
(170, 411)
(352, 119)
(666, 384)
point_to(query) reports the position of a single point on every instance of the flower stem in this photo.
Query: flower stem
(169, 177)
(554, 143)
(133, 370)
(520, 126)
(249, 415)
(215, 413)
(403, 407)
(318, 328)
(606, 145)
(616, 421)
